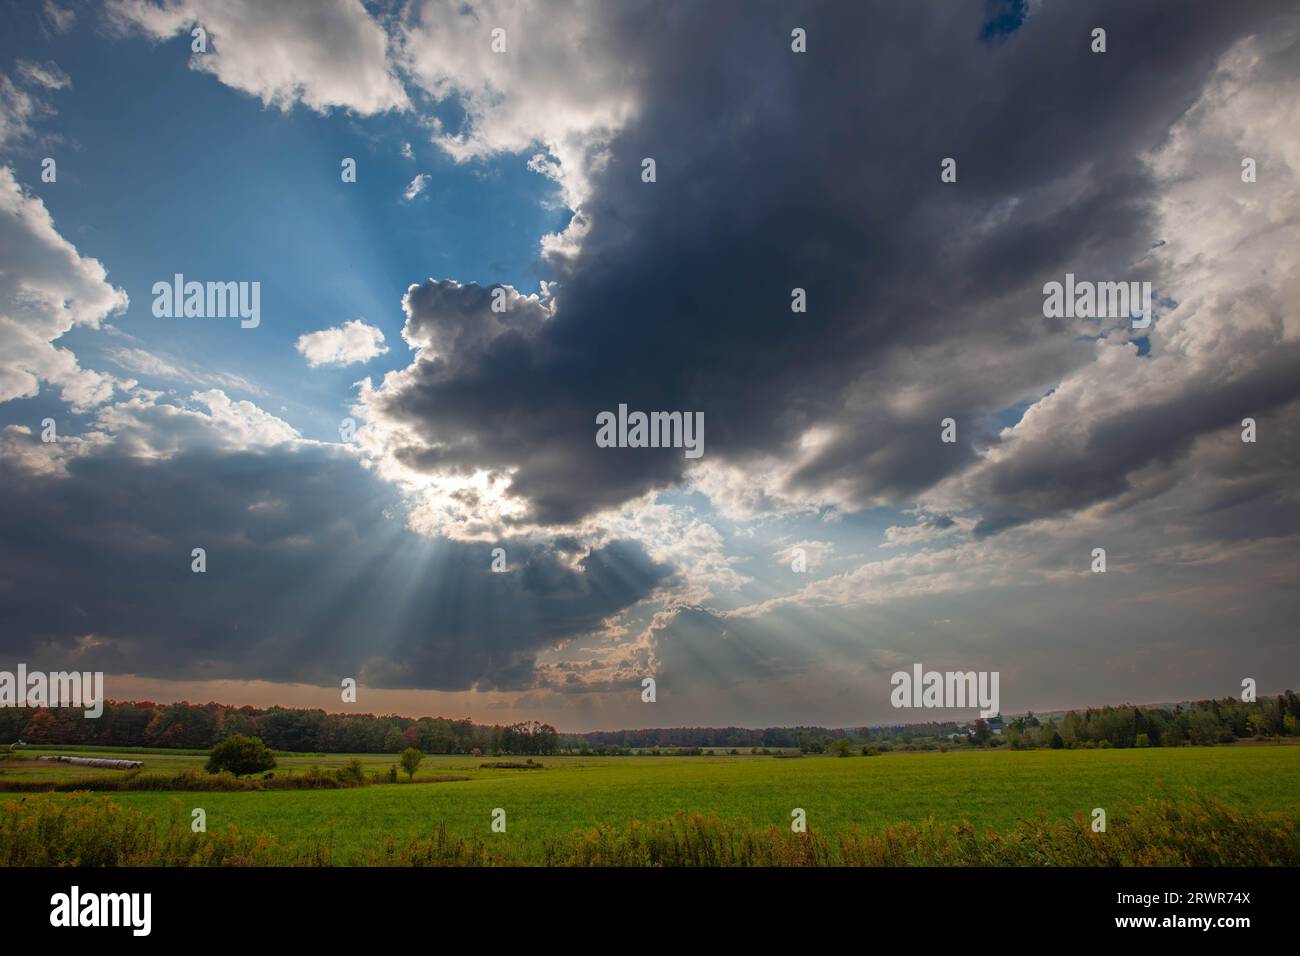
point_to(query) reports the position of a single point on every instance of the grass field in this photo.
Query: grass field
(989, 789)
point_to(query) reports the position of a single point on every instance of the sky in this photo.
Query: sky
(438, 334)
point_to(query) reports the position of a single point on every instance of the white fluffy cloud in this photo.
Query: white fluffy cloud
(535, 93)
(322, 53)
(342, 345)
(141, 427)
(46, 287)
(332, 53)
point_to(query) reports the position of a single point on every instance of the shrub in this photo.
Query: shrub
(191, 780)
(352, 774)
(240, 756)
(314, 778)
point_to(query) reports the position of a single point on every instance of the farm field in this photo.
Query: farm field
(989, 789)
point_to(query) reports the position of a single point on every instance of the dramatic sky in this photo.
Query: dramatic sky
(350, 464)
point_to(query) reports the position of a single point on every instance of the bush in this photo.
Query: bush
(191, 780)
(352, 774)
(240, 756)
(315, 778)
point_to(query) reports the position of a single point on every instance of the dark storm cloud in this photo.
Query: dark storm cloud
(1058, 476)
(307, 578)
(821, 171)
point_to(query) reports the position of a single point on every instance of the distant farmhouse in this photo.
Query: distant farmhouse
(995, 724)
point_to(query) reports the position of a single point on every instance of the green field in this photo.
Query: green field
(989, 789)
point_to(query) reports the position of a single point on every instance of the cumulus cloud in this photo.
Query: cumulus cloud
(148, 480)
(344, 344)
(536, 92)
(46, 288)
(1118, 430)
(304, 558)
(322, 53)
(525, 443)
(142, 427)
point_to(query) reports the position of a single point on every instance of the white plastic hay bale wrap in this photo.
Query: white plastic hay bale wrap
(103, 762)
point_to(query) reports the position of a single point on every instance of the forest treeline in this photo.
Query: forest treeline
(1201, 722)
(201, 726)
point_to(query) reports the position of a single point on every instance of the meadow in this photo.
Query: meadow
(989, 790)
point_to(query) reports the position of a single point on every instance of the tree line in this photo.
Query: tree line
(1201, 723)
(202, 726)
